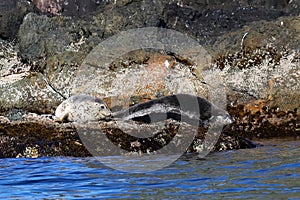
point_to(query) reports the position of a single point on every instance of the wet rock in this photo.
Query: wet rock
(124, 15)
(41, 136)
(207, 20)
(282, 33)
(257, 120)
(82, 7)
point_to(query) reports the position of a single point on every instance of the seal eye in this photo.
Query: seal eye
(102, 107)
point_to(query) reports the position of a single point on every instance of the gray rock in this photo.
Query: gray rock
(20, 88)
(260, 60)
(11, 17)
(28, 92)
(54, 47)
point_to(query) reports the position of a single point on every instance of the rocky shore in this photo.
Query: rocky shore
(253, 49)
(39, 136)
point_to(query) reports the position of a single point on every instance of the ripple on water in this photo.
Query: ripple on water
(272, 171)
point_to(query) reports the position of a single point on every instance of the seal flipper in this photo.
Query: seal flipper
(63, 119)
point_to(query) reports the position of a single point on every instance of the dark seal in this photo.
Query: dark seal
(181, 107)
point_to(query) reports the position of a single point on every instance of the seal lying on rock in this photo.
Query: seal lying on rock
(181, 107)
(82, 108)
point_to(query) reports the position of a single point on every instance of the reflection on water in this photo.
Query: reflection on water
(272, 171)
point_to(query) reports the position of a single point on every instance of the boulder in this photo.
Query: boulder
(254, 46)
(11, 17)
(22, 89)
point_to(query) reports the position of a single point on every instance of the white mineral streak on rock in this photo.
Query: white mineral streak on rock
(263, 80)
(12, 78)
(11, 67)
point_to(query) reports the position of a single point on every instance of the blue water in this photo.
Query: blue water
(269, 172)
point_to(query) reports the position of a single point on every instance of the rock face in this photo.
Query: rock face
(68, 7)
(21, 88)
(59, 52)
(12, 14)
(253, 48)
(49, 6)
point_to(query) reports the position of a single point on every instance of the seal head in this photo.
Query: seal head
(82, 108)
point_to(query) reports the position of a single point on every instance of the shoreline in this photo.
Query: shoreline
(38, 136)
(253, 49)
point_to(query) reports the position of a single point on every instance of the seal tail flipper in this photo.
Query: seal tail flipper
(62, 119)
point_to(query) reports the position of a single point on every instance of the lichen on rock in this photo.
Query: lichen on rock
(255, 45)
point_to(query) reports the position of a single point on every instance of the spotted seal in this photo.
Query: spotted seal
(181, 107)
(82, 108)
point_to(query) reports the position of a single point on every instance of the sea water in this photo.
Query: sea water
(268, 172)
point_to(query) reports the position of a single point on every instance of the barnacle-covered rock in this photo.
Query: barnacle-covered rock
(38, 136)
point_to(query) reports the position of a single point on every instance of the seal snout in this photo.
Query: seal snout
(104, 113)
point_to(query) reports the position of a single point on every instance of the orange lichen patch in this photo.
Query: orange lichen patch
(148, 86)
(145, 75)
(271, 84)
(156, 71)
(155, 75)
(255, 106)
(160, 59)
(158, 66)
(150, 90)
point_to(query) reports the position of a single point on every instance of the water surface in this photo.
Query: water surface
(269, 172)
